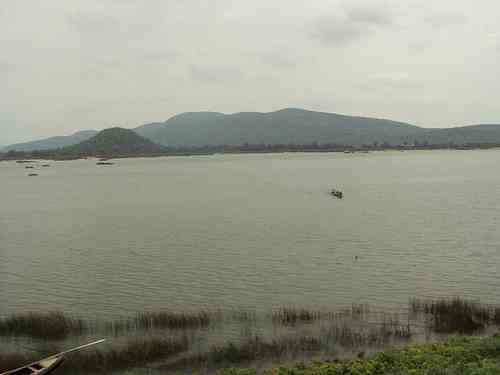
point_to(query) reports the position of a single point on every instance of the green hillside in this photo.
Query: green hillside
(113, 142)
(287, 126)
(284, 127)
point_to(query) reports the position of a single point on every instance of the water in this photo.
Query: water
(249, 231)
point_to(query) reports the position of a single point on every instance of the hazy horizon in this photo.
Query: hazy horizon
(96, 64)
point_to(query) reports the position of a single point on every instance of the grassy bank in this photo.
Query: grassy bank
(209, 340)
(457, 356)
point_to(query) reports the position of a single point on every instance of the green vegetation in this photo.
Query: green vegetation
(456, 315)
(458, 356)
(113, 142)
(182, 341)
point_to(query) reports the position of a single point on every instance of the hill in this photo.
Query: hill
(284, 127)
(287, 126)
(474, 134)
(298, 126)
(113, 142)
(52, 143)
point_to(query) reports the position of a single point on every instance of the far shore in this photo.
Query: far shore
(58, 155)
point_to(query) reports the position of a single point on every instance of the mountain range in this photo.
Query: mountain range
(286, 126)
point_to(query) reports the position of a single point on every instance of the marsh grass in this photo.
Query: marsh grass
(454, 315)
(293, 315)
(172, 320)
(133, 353)
(51, 325)
(57, 325)
(496, 316)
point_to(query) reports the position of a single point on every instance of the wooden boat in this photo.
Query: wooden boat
(337, 194)
(46, 365)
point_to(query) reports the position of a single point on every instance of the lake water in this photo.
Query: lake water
(249, 231)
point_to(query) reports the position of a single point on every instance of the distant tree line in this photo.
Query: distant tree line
(64, 154)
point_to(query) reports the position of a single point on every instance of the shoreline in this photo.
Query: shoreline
(26, 157)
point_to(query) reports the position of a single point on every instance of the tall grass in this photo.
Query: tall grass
(172, 320)
(292, 315)
(133, 353)
(51, 325)
(454, 315)
(57, 325)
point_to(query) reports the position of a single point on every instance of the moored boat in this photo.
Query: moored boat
(43, 367)
(47, 365)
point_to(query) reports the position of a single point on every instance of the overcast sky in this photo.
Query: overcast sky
(90, 64)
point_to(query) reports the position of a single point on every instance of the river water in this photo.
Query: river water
(249, 231)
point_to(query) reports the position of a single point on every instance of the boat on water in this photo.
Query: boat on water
(104, 163)
(33, 174)
(47, 365)
(337, 193)
(43, 367)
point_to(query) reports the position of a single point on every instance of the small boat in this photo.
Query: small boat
(104, 163)
(337, 194)
(46, 165)
(47, 365)
(33, 174)
(29, 167)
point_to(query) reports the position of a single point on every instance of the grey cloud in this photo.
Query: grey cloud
(5, 67)
(350, 24)
(394, 81)
(281, 59)
(93, 23)
(216, 74)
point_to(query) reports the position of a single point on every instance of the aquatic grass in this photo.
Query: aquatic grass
(51, 325)
(352, 337)
(134, 353)
(172, 320)
(496, 316)
(454, 315)
(292, 315)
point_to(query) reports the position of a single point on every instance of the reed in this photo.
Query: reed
(292, 315)
(172, 320)
(496, 316)
(51, 325)
(134, 353)
(454, 315)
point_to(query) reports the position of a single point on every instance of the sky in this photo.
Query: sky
(91, 64)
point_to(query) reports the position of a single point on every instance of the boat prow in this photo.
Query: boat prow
(43, 367)
(47, 365)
